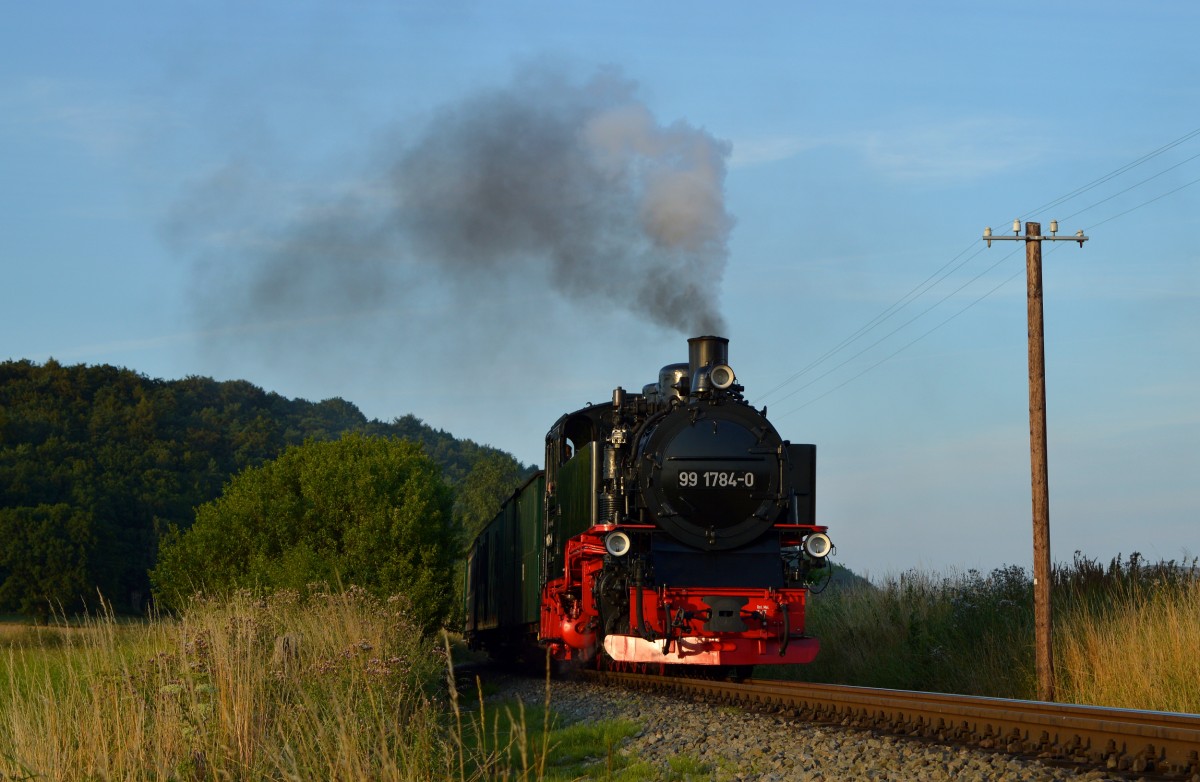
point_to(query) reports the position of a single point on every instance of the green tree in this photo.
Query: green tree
(44, 558)
(492, 479)
(370, 511)
(135, 456)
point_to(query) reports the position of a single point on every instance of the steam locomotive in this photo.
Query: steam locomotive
(670, 527)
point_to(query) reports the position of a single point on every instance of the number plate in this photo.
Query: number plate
(716, 479)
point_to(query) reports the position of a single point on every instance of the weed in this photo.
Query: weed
(1124, 633)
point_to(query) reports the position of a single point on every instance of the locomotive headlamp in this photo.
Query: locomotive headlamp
(818, 545)
(721, 376)
(617, 543)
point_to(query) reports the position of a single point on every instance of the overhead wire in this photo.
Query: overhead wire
(902, 326)
(896, 307)
(1116, 172)
(945, 271)
(1134, 186)
(1144, 203)
(907, 345)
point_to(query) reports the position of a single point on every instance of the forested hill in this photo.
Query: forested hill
(97, 461)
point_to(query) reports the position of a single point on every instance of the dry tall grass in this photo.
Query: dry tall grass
(333, 687)
(1141, 651)
(343, 686)
(920, 631)
(1125, 634)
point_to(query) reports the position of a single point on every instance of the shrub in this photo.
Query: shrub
(370, 511)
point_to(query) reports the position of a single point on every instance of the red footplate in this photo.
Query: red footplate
(714, 626)
(694, 650)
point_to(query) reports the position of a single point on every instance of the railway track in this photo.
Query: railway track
(1121, 740)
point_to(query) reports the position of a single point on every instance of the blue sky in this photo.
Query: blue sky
(162, 166)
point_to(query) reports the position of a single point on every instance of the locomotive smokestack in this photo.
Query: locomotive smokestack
(706, 352)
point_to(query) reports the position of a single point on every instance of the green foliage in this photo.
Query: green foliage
(1093, 585)
(369, 511)
(973, 633)
(128, 458)
(491, 481)
(456, 457)
(516, 740)
(43, 562)
(962, 633)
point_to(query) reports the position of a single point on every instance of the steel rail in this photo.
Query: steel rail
(1126, 740)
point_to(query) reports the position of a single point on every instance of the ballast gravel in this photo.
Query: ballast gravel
(742, 746)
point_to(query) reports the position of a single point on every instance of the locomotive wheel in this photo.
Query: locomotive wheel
(739, 673)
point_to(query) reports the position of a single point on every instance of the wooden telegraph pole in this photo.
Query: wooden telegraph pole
(1043, 644)
(1043, 656)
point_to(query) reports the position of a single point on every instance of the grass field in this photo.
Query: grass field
(1125, 634)
(341, 685)
(335, 686)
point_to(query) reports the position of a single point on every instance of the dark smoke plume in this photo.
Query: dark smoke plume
(544, 181)
(582, 179)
